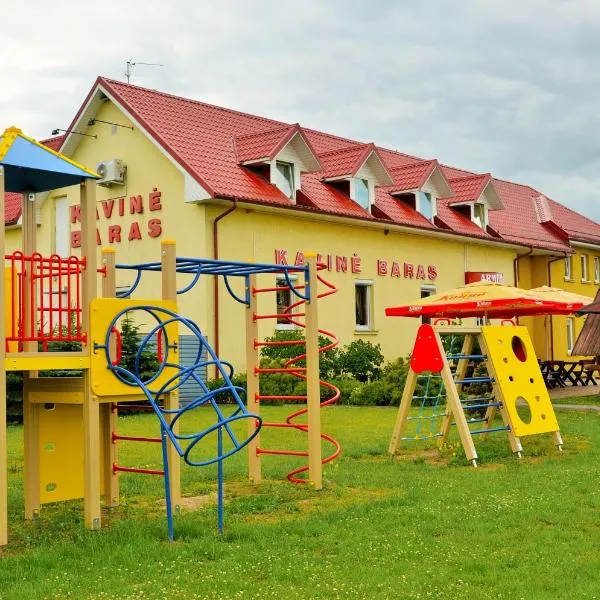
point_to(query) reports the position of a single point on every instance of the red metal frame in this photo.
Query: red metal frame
(53, 285)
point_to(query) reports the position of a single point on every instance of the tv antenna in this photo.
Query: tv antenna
(131, 63)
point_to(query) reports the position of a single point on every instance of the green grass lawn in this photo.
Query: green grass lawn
(582, 400)
(420, 525)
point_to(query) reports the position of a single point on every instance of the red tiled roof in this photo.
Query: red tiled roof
(578, 227)
(263, 144)
(200, 137)
(468, 188)
(518, 221)
(344, 161)
(411, 176)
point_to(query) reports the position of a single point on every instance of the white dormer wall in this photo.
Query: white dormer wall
(429, 188)
(366, 173)
(289, 154)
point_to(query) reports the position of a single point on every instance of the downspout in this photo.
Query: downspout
(549, 277)
(516, 264)
(516, 260)
(216, 343)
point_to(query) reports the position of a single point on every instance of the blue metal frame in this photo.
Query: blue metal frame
(184, 444)
(223, 268)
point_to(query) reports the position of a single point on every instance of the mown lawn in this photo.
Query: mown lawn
(421, 525)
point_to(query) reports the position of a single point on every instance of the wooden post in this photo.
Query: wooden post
(169, 292)
(313, 387)
(108, 410)
(30, 409)
(461, 371)
(253, 386)
(3, 450)
(91, 408)
(404, 408)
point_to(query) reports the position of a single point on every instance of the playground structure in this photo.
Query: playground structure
(50, 300)
(516, 388)
(506, 362)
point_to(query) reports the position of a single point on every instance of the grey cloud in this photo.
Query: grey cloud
(503, 85)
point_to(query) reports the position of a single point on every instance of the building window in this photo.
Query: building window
(568, 267)
(596, 269)
(284, 298)
(570, 334)
(425, 293)
(426, 205)
(284, 178)
(584, 267)
(479, 216)
(363, 292)
(362, 195)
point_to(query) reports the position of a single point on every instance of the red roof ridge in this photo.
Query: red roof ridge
(189, 100)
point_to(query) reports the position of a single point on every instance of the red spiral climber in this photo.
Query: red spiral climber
(291, 316)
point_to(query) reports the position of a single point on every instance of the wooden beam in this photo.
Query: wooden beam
(3, 445)
(313, 387)
(252, 386)
(91, 407)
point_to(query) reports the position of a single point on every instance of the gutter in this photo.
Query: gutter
(216, 343)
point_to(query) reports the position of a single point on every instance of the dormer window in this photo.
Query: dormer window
(362, 193)
(425, 205)
(284, 178)
(480, 215)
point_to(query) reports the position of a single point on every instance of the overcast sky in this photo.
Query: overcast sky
(507, 86)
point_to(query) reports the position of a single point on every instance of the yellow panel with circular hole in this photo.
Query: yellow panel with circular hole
(102, 313)
(519, 381)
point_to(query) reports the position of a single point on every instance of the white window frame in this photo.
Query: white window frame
(281, 280)
(353, 194)
(570, 335)
(485, 215)
(277, 176)
(596, 269)
(368, 285)
(569, 267)
(584, 259)
(419, 207)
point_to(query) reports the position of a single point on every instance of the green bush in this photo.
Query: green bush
(362, 360)
(328, 360)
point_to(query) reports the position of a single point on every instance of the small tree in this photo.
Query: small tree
(131, 340)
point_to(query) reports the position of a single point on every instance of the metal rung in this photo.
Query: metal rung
(504, 428)
(473, 406)
(426, 417)
(420, 437)
(467, 356)
(475, 380)
(481, 399)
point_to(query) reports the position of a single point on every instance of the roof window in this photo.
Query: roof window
(480, 215)
(361, 193)
(284, 178)
(426, 205)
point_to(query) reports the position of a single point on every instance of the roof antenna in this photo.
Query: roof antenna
(130, 63)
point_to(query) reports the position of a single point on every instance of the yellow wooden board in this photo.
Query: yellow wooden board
(61, 451)
(102, 313)
(519, 380)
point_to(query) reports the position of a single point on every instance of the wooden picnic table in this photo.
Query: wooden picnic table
(560, 373)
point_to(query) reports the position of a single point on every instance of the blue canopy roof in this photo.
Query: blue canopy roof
(31, 167)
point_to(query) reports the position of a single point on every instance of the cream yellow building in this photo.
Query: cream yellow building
(389, 227)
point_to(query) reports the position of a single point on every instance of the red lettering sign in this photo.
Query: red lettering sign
(355, 264)
(281, 257)
(473, 276)
(382, 267)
